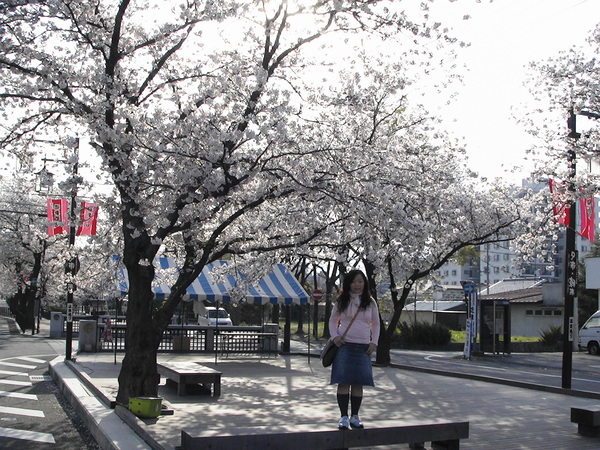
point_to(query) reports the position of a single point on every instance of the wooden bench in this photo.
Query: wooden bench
(442, 435)
(184, 373)
(587, 420)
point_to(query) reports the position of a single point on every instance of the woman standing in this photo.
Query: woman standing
(356, 315)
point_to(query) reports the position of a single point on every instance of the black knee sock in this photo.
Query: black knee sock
(355, 402)
(343, 400)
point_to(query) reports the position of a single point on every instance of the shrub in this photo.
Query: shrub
(552, 335)
(423, 333)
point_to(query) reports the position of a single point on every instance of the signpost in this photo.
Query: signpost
(471, 325)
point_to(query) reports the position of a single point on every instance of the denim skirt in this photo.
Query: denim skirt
(352, 365)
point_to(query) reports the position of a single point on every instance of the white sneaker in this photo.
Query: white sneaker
(344, 423)
(355, 421)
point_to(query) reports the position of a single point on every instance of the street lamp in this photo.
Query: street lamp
(46, 180)
(72, 264)
(570, 277)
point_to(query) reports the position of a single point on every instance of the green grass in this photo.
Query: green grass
(294, 327)
(459, 336)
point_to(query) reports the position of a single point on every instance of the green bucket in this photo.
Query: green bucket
(145, 407)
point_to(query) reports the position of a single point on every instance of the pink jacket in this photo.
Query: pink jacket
(364, 330)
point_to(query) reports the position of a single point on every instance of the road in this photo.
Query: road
(536, 368)
(33, 412)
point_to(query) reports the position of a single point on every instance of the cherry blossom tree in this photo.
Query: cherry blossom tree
(567, 82)
(565, 89)
(409, 203)
(23, 247)
(202, 113)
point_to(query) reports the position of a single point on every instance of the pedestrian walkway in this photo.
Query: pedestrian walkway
(288, 390)
(285, 391)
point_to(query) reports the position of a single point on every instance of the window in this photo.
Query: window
(548, 312)
(538, 312)
(593, 323)
(529, 312)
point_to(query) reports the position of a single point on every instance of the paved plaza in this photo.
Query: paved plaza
(285, 391)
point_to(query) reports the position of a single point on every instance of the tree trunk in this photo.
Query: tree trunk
(138, 376)
(384, 346)
(300, 311)
(329, 294)
(385, 337)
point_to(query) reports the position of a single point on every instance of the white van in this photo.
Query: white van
(210, 317)
(589, 334)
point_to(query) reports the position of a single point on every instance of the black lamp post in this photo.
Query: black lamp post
(72, 263)
(571, 257)
(570, 278)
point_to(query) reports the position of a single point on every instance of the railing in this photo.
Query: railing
(199, 339)
(185, 338)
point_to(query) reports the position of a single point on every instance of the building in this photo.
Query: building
(499, 261)
(451, 313)
(532, 309)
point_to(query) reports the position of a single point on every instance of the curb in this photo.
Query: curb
(485, 379)
(503, 381)
(105, 425)
(139, 427)
(119, 429)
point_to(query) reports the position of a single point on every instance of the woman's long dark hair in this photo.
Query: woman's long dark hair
(343, 299)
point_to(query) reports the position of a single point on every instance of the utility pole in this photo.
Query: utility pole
(571, 257)
(72, 264)
(570, 277)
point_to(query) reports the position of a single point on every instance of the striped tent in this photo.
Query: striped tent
(278, 287)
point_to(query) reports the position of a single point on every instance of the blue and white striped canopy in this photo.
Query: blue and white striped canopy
(278, 287)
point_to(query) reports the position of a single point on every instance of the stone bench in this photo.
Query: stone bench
(442, 435)
(184, 373)
(587, 420)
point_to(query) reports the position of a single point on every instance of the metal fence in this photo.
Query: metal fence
(178, 338)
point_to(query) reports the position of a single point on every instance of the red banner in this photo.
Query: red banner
(559, 206)
(58, 217)
(586, 211)
(89, 218)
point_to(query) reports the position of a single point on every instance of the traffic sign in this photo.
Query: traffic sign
(469, 288)
(317, 294)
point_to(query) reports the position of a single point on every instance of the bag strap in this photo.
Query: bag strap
(351, 322)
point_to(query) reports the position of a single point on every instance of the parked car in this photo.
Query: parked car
(589, 334)
(210, 317)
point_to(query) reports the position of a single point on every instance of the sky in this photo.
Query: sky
(505, 35)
